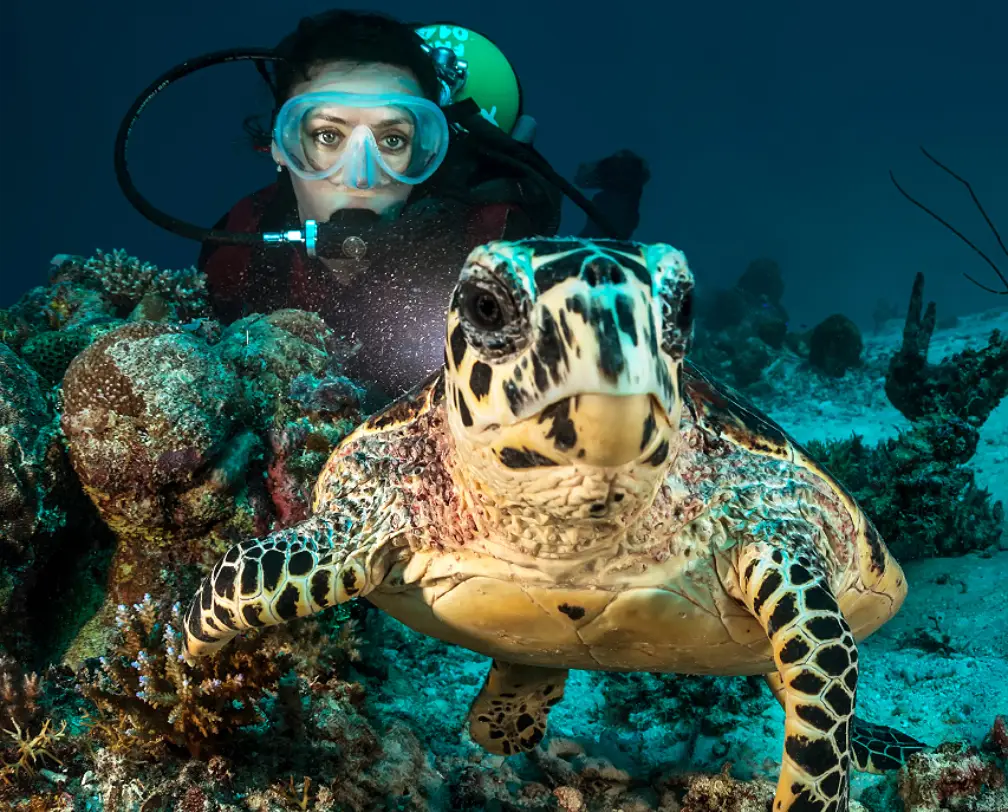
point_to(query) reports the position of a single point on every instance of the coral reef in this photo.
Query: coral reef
(917, 490)
(28, 449)
(151, 423)
(42, 508)
(969, 385)
(835, 346)
(696, 710)
(87, 297)
(184, 436)
(741, 329)
(953, 777)
(146, 692)
(27, 740)
(19, 694)
(186, 446)
(135, 290)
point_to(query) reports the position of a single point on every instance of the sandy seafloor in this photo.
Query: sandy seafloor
(935, 697)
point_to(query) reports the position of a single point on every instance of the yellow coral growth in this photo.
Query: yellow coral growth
(30, 750)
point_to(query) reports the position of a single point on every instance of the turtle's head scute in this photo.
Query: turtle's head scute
(560, 351)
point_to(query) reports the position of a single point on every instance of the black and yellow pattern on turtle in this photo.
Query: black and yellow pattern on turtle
(726, 419)
(526, 313)
(817, 660)
(874, 748)
(509, 714)
(264, 582)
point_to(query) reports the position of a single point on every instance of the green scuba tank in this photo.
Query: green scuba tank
(479, 72)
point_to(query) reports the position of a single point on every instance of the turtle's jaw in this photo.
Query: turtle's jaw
(612, 430)
(586, 430)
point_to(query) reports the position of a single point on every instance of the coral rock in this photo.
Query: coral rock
(953, 777)
(835, 346)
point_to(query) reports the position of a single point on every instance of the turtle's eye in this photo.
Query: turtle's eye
(486, 307)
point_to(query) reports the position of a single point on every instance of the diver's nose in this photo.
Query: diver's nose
(359, 172)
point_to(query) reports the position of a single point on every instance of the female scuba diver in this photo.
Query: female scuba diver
(398, 151)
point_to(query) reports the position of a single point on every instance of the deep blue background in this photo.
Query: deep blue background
(770, 128)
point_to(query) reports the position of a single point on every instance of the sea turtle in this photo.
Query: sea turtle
(569, 492)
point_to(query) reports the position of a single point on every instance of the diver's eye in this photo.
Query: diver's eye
(394, 142)
(485, 308)
(327, 138)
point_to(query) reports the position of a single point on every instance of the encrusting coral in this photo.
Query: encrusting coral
(188, 441)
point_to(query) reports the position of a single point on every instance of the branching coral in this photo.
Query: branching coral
(30, 750)
(968, 385)
(19, 694)
(917, 490)
(148, 687)
(127, 282)
(21, 750)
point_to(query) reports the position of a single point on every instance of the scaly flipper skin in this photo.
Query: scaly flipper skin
(291, 573)
(881, 749)
(509, 714)
(874, 748)
(816, 657)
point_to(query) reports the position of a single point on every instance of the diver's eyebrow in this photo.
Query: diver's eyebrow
(392, 122)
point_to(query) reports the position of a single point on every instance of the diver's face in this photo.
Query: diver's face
(329, 128)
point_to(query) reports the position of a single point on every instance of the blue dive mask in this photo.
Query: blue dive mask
(368, 138)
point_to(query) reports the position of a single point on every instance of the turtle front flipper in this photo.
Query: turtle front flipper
(816, 657)
(509, 714)
(875, 748)
(291, 573)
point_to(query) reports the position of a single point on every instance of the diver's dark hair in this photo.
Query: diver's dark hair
(353, 36)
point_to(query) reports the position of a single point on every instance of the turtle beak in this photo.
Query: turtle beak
(613, 430)
(597, 429)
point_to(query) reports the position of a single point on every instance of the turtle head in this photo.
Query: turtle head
(566, 353)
